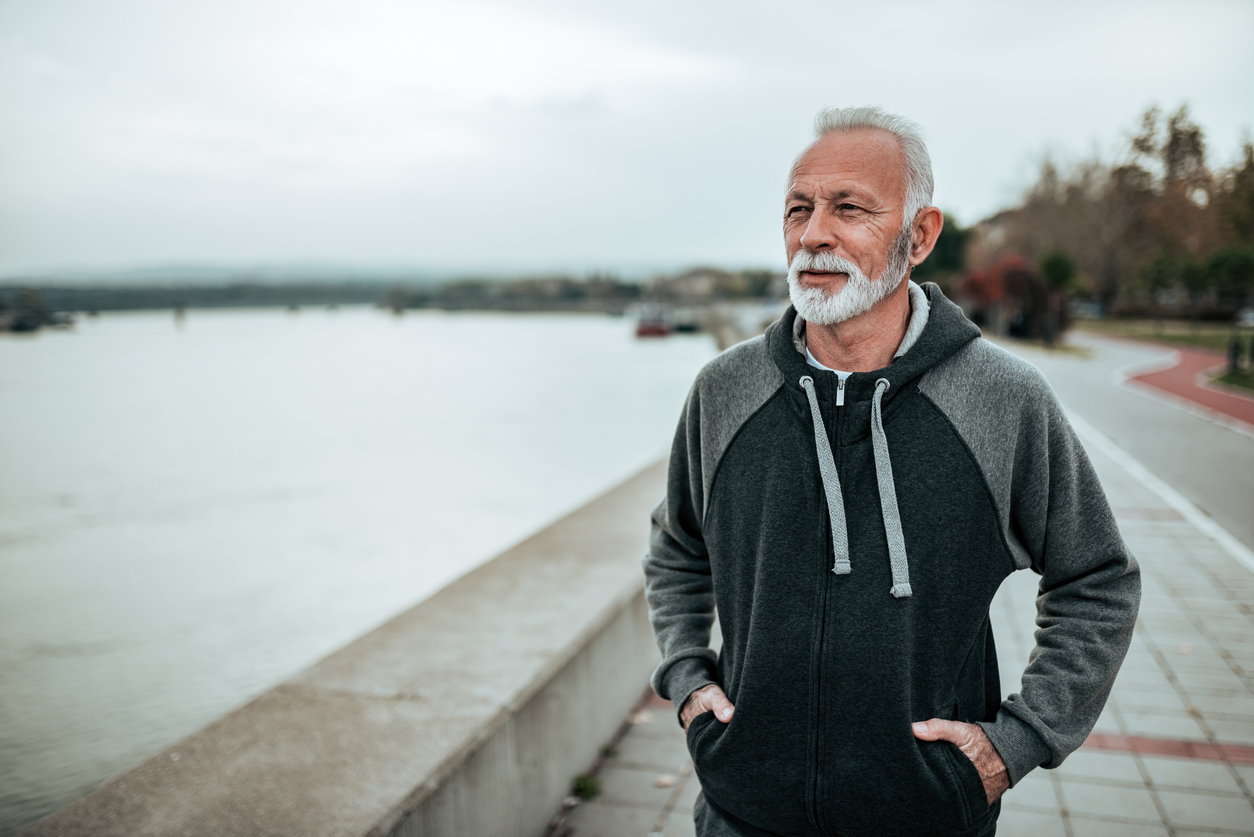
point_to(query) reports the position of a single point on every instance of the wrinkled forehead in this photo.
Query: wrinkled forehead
(865, 160)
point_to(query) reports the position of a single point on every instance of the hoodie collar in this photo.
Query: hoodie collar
(919, 307)
(941, 332)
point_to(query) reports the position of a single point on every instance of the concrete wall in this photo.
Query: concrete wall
(468, 714)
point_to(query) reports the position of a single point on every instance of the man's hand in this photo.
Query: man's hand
(975, 745)
(705, 699)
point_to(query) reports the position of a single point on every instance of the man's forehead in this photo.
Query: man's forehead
(858, 163)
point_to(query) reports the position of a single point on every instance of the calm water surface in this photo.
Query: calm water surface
(189, 515)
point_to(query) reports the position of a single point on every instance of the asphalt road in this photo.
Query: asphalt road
(1211, 465)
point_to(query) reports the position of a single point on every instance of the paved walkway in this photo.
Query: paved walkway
(1198, 455)
(1173, 753)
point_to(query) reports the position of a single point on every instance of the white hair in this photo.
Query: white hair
(910, 138)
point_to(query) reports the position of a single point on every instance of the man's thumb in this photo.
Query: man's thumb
(722, 706)
(931, 730)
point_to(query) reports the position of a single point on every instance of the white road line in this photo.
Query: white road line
(1093, 437)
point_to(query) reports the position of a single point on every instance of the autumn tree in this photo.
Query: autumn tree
(1153, 220)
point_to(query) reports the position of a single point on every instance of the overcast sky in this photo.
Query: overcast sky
(548, 134)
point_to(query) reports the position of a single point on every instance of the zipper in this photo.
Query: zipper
(816, 811)
(817, 706)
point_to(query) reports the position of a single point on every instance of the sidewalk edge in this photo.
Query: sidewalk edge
(1090, 435)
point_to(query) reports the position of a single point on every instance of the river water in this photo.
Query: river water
(191, 513)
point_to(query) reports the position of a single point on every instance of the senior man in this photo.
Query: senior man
(850, 490)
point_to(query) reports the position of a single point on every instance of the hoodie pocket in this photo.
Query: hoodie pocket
(974, 797)
(754, 767)
(699, 725)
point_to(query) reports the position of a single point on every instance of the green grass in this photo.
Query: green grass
(1240, 378)
(586, 787)
(1179, 333)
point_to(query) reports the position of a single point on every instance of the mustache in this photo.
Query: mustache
(823, 262)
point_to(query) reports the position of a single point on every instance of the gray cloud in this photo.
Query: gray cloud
(541, 134)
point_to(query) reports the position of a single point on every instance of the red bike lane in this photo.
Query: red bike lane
(1186, 379)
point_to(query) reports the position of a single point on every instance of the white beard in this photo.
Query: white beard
(816, 305)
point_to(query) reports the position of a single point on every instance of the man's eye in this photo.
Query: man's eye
(794, 210)
(846, 206)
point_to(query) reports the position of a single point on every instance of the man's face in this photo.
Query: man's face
(845, 201)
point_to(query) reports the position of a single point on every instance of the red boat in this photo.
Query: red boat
(653, 328)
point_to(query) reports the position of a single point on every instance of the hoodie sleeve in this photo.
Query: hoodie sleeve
(1090, 591)
(1055, 520)
(678, 584)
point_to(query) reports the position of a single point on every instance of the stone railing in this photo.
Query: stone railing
(467, 715)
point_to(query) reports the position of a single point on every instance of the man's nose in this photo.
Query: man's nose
(820, 232)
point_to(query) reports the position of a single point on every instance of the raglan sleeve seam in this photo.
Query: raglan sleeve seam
(1000, 515)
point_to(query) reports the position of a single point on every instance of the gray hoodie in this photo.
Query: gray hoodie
(852, 553)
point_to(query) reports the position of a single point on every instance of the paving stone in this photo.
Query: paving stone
(1014, 823)
(1110, 801)
(667, 754)
(664, 728)
(1140, 659)
(1229, 706)
(1087, 827)
(1190, 773)
(631, 786)
(1188, 666)
(1206, 811)
(680, 825)
(1233, 732)
(1190, 680)
(1034, 793)
(1136, 678)
(1130, 700)
(1139, 713)
(597, 819)
(688, 795)
(1161, 726)
(1098, 764)
(1195, 692)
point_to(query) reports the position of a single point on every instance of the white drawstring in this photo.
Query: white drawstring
(831, 482)
(884, 479)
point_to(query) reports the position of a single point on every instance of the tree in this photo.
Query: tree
(1159, 273)
(1058, 270)
(1231, 273)
(948, 257)
(1196, 281)
(1152, 219)
(1234, 199)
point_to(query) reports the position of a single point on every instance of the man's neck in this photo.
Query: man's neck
(866, 342)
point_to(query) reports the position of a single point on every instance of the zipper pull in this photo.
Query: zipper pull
(840, 392)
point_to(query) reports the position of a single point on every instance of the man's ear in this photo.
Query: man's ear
(927, 228)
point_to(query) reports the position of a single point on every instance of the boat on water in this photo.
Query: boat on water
(653, 328)
(654, 320)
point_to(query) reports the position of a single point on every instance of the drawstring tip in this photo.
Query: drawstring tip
(842, 567)
(901, 590)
